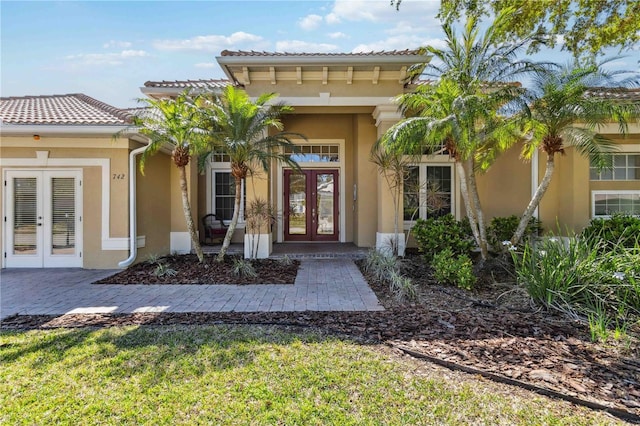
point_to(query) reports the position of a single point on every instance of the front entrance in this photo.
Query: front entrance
(43, 218)
(311, 205)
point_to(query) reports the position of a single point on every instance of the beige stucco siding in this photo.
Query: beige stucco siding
(365, 179)
(505, 189)
(153, 206)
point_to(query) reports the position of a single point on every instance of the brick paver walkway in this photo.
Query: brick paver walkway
(321, 285)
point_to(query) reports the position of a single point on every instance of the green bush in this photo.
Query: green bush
(502, 229)
(620, 229)
(434, 235)
(451, 269)
(584, 279)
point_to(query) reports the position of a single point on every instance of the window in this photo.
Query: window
(314, 154)
(625, 167)
(606, 203)
(224, 194)
(428, 191)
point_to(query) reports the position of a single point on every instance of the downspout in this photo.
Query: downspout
(535, 179)
(133, 240)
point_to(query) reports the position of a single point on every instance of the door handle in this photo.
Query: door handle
(39, 224)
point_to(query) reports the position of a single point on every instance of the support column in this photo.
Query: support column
(386, 116)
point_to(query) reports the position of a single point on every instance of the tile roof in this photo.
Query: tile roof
(195, 84)
(71, 109)
(617, 93)
(405, 52)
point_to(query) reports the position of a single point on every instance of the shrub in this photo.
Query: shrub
(619, 229)
(380, 264)
(502, 229)
(584, 279)
(451, 269)
(243, 268)
(402, 287)
(434, 235)
(384, 267)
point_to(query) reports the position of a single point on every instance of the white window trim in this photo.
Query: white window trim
(422, 178)
(608, 192)
(210, 190)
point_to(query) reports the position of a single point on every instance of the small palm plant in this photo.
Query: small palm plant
(174, 123)
(239, 128)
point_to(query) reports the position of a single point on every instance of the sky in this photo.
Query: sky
(109, 49)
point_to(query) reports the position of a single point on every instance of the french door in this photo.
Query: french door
(311, 205)
(43, 218)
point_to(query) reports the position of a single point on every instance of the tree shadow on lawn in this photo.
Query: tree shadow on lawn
(152, 348)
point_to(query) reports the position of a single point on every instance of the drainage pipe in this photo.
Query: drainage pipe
(133, 239)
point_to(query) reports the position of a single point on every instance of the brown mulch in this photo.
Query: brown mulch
(189, 271)
(494, 329)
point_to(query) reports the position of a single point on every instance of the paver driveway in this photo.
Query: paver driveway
(321, 285)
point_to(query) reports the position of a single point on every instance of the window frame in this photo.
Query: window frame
(422, 177)
(609, 192)
(599, 177)
(212, 169)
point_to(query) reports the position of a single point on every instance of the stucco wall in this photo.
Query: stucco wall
(505, 189)
(153, 206)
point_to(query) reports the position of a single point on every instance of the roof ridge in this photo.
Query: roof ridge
(199, 80)
(227, 52)
(118, 112)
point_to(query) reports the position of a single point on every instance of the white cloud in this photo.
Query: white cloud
(304, 46)
(337, 35)
(310, 22)
(214, 43)
(206, 65)
(399, 42)
(106, 58)
(332, 18)
(117, 44)
(382, 11)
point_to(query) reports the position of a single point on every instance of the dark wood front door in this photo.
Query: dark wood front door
(311, 205)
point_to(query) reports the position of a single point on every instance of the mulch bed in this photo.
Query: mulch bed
(494, 329)
(189, 271)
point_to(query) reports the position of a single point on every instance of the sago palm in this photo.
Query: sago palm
(174, 123)
(239, 128)
(564, 114)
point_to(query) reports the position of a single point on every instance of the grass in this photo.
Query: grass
(243, 375)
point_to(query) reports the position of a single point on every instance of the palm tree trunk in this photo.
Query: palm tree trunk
(186, 208)
(464, 190)
(475, 198)
(234, 220)
(535, 200)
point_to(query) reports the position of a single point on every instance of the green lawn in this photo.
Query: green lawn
(244, 375)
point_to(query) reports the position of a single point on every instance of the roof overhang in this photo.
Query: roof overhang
(243, 69)
(73, 130)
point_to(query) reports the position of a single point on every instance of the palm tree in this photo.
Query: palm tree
(239, 128)
(563, 113)
(174, 122)
(463, 107)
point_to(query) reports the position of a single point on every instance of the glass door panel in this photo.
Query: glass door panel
(63, 202)
(297, 217)
(25, 216)
(325, 204)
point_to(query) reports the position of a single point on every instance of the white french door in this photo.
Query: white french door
(43, 218)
